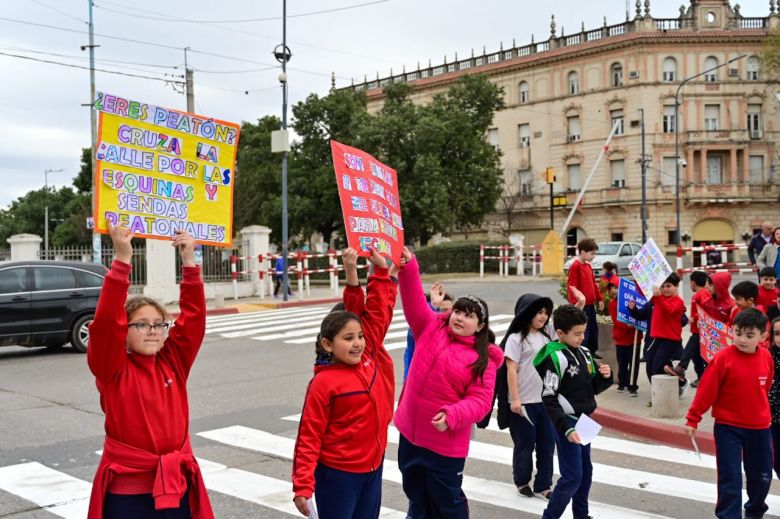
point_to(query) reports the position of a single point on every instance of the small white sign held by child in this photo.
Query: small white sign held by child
(312, 508)
(650, 267)
(587, 428)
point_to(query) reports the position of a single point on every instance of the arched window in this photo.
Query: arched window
(616, 74)
(670, 70)
(524, 94)
(712, 75)
(752, 68)
(574, 82)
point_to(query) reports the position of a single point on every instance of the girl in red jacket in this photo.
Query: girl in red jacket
(147, 468)
(342, 435)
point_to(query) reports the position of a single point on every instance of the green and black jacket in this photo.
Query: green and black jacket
(571, 381)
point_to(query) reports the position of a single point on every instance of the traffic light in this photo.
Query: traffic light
(550, 175)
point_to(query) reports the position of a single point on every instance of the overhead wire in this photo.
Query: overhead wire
(60, 63)
(133, 12)
(63, 13)
(252, 20)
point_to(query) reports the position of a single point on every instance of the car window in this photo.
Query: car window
(13, 280)
(607, 249)
(51, 278)
(89, 280)
(626, 250)
(635, 249)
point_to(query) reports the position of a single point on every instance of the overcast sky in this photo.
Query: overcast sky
(43, 125)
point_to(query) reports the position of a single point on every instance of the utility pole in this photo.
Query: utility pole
(644, 180)
(189, 84)
(96, 240)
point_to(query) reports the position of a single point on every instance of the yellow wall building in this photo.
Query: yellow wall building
(564, 95)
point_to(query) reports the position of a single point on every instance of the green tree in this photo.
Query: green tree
(770, 56)
(340, 116)
(26, 213)
(84, 181)
(72, 228)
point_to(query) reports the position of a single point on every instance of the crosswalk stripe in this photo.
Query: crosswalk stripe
(54, 491)
(478, 489)
(398, 323)
(266, 318)
(605, 474)
(642, 450)
(227, 318)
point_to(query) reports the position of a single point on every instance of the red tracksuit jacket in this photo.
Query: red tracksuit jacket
(667, 318)
(347, 409)
(581, 276)
(736, 386)
(145, 399)
(622, 334)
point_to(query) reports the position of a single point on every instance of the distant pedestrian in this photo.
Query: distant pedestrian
(279, 277)
(769, 256)
(571, 377)
(759, 241)
(147, 468)
(342, 436)
(449, 389)
(581, 276)
(736, 387)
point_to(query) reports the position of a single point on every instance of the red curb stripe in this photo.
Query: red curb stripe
(213, 311)
(672, 435)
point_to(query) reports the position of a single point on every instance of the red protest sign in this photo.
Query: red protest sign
(713, 334)
(368, 191)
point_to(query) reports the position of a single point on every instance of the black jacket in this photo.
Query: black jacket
(571, 380)
(755, 246)
(526, 307)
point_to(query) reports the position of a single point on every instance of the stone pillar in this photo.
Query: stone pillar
(254, 240)
(746, 178)
(733, 166)
(161, 271)
(25, 247)
(691, 173)
(703, 170)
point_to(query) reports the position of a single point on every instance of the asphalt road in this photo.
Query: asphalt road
(245, 392)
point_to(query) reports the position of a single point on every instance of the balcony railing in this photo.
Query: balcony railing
(716, 136)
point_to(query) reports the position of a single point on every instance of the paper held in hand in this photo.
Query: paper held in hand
(312, 508)
(587, 428)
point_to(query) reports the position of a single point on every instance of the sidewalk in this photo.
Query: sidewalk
(631, 416)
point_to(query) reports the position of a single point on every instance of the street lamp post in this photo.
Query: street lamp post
(677, 159)
(46, 209)
(282, 54)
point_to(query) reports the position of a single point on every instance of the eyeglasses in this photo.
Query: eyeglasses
(146, 327)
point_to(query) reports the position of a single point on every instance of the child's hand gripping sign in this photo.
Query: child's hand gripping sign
(368, 191)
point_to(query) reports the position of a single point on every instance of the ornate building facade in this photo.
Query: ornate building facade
(564, 96)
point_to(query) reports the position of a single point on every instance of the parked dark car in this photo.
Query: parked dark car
(48, 303)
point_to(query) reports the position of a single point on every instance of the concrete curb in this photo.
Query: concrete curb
(672, 435)
(253, 307)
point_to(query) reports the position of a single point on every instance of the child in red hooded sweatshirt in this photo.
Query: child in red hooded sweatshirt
(342, 435)
(147, 468)
(720, 304)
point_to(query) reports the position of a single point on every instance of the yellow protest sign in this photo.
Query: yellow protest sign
(160, 170)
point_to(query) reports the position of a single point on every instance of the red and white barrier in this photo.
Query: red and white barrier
(532, 253)
(241, 266)
(734, 267)
(503, 259)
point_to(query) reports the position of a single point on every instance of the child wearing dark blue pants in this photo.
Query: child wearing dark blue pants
(774, 394)
(736, 386)
(568, 370)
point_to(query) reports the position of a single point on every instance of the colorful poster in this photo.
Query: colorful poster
(714, 335)
(627, 292)
(649, 267)
(369, 201)
(160, 170)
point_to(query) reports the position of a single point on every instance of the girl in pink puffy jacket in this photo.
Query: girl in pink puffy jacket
(449, 388)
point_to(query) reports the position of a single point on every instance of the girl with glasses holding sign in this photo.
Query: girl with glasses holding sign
(147, 468)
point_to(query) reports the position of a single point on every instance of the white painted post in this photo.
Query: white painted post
(481, 261)
(25, 247)
(299, 266)
(307, 281)
(255, 240)
(261, 275)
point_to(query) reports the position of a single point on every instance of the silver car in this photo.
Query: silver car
(618, 252)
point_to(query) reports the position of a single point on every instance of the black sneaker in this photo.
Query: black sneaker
(683, 390)
(544, 494)
(695, 383)
(677, 371)
(621, 389)
(633, 393)
(525, 491)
